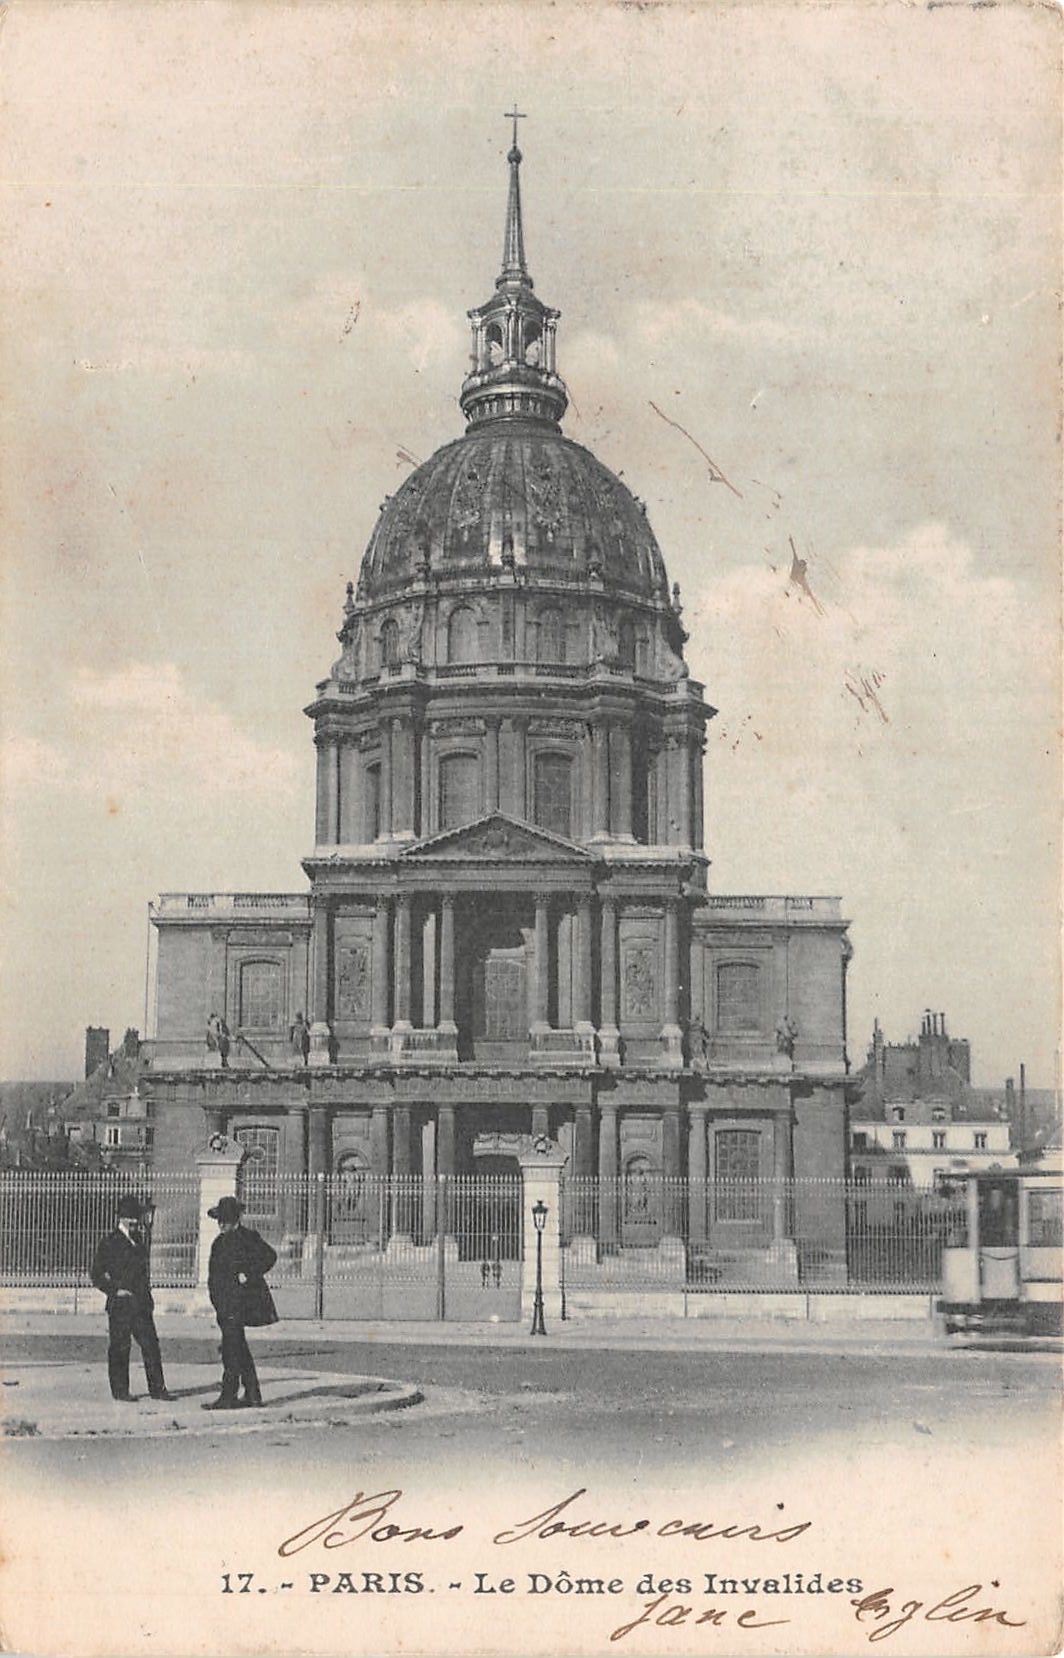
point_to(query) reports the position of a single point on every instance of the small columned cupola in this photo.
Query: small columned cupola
(513, 349)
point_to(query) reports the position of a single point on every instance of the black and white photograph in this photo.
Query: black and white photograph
(530, 1115)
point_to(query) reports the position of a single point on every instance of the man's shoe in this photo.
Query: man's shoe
(251, 1403)
(165, 1395)
(222, 1404)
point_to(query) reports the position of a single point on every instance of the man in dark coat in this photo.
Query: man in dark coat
(120, 1272)
(240, 1296)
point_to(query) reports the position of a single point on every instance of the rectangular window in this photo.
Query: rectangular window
(1044, 1218)
(898, 1114)
(738, 996)
(980, 1142)
(258, 1172)
(860, 1141)
(897, 1140)
(553, 793)
(898, 1175)
(261, 995)
(112, 1135)
(737, 1163)
(459, 790)
(938, 1140)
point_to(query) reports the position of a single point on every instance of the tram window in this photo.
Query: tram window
(998, 1213)
(1044, 1220)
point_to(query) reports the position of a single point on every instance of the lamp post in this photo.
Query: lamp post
(539, 1217)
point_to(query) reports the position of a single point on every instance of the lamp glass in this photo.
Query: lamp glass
(539, 1214)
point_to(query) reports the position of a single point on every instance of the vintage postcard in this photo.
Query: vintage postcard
(530, 1115)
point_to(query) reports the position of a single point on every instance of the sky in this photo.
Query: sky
(809, 250)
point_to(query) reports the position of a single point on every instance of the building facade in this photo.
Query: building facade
(506, 929)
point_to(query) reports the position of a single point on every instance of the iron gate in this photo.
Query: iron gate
(365, 1246)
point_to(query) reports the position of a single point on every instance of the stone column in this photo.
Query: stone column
(349, 830)
(541, 1169)
(609, 1035)
(295, 1168)
(671, 1207)
(519, 781)
(600, 791)
(696, 1171)
(403, 762)
(218, 1168)
(318, 1147)
(401, 955)
(671, 1035)
(582, 1223)
(428, 805)
(491, 764)
(321, 796)
(541, 998)
(403, 1196)
(782, 1169)
(428, 1180)
(446, 1025)
(582, 964)
(386, 783)
(608, 1181)
(620, 780)
(320, 948)
(698, 810)
(445, 1128)
(379, 974)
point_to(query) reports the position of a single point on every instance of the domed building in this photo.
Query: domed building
(507, 938)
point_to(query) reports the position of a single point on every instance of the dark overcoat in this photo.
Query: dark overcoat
(233, 1253)
(121, 1264)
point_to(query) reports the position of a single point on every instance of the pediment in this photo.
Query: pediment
(496, 839)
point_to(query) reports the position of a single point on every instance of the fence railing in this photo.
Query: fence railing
(728, 1235)
(51, 1222)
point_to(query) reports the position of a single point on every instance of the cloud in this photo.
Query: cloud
(150, 730)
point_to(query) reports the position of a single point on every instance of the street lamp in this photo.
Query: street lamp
(539, 1217)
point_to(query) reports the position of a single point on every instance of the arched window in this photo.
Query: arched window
(390, 643)
(533, 343)
(626, 645)
(551, 635)
(553, 793)
(462, 634)
(738, 996)
(261, 995)
(257, 1179)
(496, 348)
(459, 790)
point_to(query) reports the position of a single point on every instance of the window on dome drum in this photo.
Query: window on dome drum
(459, 790)
(738, 996)
(551, 635)
(553, 793)
(737, 1160)
(390, 643)
(257, 1179)
(626, 645)
(533, 344)
(496, 349)
(261, 995)
(462, 635)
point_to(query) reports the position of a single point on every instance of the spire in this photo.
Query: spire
(513, 373)
(513, 247)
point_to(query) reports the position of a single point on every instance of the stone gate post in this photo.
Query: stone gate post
(541, 1160)
(217, 1166)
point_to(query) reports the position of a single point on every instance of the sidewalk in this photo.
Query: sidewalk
(69, 1400)
(880, 1337)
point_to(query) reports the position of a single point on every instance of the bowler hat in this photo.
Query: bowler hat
(129, 1208)
(227, 1209)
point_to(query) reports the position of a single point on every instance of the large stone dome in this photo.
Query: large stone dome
(518, 491)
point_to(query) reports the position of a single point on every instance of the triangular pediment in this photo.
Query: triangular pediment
(497, 839)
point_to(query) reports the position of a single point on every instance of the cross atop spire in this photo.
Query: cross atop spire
(513, 247)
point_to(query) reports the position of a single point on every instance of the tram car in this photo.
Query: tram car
(1001, 1269)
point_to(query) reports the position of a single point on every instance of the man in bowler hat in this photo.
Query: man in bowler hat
(120, 1272)
(236, 1282)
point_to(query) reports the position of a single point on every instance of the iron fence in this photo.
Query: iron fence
(52, 1220)
(643, 1231)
